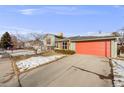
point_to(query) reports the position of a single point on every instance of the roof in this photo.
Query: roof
(88, 38)
(53, 35)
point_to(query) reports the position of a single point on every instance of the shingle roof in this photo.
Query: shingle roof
(53, 35)
(86, 38)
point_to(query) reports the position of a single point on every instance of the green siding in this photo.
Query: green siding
(52, 37)
(72, 46)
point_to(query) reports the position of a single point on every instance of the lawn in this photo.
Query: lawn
(34, 62)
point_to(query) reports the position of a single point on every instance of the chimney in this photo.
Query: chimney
(60, 34)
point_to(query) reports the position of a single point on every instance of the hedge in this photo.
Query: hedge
(122, 49)
(63, 51)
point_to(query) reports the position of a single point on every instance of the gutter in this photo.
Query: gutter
(100, 39)
(90, 39)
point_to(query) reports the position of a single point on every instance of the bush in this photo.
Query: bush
(122, 49)
(62, 51)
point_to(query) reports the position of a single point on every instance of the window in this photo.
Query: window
(48, 41)
(56, 44)
(64, 45)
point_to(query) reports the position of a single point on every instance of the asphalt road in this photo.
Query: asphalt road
(71, 71)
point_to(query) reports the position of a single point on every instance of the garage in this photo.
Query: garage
(98, 48)
(105, 46)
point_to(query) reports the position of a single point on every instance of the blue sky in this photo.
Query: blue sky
(71, 20)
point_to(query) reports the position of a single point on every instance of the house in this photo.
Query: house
(49, 40)
(28, 44)
(45, 42)
(20, 44)
(91, 45)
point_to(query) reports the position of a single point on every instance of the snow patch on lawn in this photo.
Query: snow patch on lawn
(36, 61)
(118, 71)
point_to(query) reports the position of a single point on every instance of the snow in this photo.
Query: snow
(118, 71)
(20, 52)
(36, 61)
(0, 56)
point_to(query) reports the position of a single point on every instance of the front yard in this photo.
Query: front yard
(34, 62)
(26, 60)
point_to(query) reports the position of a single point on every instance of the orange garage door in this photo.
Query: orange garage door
(99, 48)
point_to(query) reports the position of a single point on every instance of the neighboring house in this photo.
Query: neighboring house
(32, 43)
(91, 45)
(28, 44)
(20, 44)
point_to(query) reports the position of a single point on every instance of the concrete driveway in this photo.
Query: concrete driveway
(75, 70)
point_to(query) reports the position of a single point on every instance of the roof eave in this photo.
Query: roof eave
(113, 38)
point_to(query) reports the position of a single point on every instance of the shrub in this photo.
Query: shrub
(122, 49)
(63, 51)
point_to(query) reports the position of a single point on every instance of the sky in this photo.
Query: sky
(70, 20)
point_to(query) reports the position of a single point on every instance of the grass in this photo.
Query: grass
(49, 53)
(19, 58)
(23, 57)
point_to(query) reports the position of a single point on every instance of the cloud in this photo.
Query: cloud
(28, 11)
(49, 9)
(119, 6)
(60, 10)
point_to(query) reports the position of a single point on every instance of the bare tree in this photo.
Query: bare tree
(121, 39)
(14, 41)
(21, 40)
(117, 34)
(37, 42)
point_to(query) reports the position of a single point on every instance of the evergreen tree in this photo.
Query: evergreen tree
(6, 41)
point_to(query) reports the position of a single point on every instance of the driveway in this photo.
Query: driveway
(75, 70)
